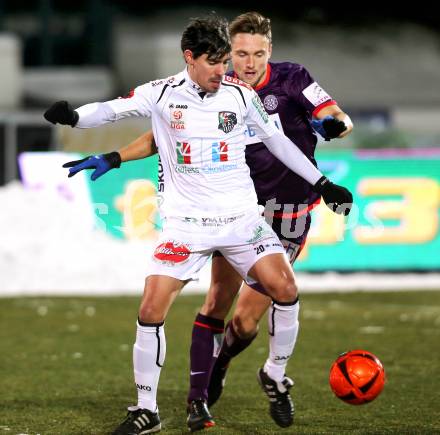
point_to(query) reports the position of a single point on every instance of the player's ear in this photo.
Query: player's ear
(188, 56)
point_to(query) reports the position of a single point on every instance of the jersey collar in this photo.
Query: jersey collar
(266, 79)
(192, 84)
(193, 87)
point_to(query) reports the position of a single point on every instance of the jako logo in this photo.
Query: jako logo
(281, 358)
(143, 387)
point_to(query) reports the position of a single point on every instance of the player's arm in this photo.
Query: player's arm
(331, 122)
(142, 147)
(139, 103)
(338, 198)
(328, 119)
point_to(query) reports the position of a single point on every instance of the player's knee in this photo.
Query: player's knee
(284, 290)
(148, 313)
(212, 308)
(245, 326)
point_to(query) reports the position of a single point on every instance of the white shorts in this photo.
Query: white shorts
(186, 244)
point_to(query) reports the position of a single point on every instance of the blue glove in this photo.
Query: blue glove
(102, 164)
(328, 127)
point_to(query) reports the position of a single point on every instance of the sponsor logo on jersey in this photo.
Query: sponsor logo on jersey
(161, 82)
(219, 152)
(315, 94)
(183, 150)
(182, 169)
(227, 121)
(260, 108)
(218, 168)
(172, 253)
(206, 169)
(177, 116)
(251, 135)
(270, 102)
(236, 81)
(160, 177)
(178, 106)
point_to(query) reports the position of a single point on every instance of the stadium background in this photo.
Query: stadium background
(72, 237)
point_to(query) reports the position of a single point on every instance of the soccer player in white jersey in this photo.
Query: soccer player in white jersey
(199, 121)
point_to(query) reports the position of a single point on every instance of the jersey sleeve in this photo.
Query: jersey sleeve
(138, 102)
(307, 92)
(257, 117)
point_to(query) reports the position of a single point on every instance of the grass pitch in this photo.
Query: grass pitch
(65, 366)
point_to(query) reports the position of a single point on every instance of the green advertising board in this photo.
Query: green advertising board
(393, 224)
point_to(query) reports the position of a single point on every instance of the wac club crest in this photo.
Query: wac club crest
(227, 121)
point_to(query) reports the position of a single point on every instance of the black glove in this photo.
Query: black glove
(101, 164)
(338, 198)
(62, 112)
(329, 127)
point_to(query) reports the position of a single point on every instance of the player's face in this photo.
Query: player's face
(207, 73)
(250, 55)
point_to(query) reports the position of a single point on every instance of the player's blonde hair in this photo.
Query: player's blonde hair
(251, 22)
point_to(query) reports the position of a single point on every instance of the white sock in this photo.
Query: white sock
(283, 330)
(148, 357)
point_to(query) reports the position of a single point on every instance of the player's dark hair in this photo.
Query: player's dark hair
(207, 35)
(251, 22)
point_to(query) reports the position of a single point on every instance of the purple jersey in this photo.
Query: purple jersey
(290, 96)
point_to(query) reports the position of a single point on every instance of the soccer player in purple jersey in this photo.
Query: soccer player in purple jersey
(296, 102)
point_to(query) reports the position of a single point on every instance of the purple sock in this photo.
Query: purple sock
(206, 340)
(232, 345)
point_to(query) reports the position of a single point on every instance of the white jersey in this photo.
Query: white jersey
(201, 142)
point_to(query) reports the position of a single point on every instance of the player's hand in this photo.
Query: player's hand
(338, 198)
(329, 127)
(62, 112)
(101, 164)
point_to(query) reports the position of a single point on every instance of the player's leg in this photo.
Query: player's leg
(283, 327)
(240, 331)
(209, 324)
(276, 276)
(282, 320)
(171, 266)
(207, 336)
(149, 353)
